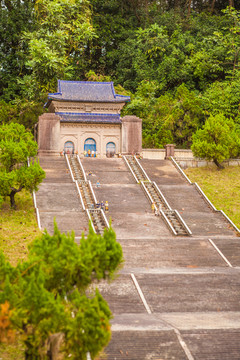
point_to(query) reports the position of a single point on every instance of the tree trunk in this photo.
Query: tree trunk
(212, 6)
(219, 166)
(54, 344)
(12, 199)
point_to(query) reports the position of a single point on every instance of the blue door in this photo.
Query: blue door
(69, 147)
(110, 149)
(90, 147)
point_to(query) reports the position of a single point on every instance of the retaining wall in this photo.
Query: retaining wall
(185, 158)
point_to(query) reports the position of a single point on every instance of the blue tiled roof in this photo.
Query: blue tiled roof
(90, 118)
(87, 91)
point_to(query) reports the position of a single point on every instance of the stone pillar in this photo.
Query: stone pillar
(169, 150)
(49, 134)
(131, 135)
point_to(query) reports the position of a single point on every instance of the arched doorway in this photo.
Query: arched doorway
(69, 147)
(90, 147)
(110, 149)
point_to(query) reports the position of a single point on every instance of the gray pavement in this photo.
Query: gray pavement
(176, 298)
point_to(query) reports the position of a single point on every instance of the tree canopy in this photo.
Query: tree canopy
(218, 140)
(161, 47)
(16, 147)
(49, 294)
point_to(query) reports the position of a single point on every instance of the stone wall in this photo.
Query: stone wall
(185, 158)
(131, 135)
(48, 134)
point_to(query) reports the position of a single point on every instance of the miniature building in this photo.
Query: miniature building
(84, 117)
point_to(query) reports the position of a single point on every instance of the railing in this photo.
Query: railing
(161, 195)
(168, 222)
(143, 171)
(83, 172)
(90, 218)
(183, 222)
(172, 218)
(87, 196)
(148, 194)
(125, 159)
(35, 204)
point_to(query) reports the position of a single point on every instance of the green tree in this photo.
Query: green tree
(185, 117)
(217, 140)
(15, 18)
(49, 293)
(16, 146)
(223, 97)
(57, 46)
(20, 111)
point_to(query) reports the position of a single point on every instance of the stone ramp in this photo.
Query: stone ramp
(140, 345)
(57, 198)
(163, 172)
(214, 344)
(172, 253)
(129, 209)
(185, 198)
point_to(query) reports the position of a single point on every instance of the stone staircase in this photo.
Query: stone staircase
(160, 205)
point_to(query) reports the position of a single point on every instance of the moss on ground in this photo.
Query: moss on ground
(221, 187)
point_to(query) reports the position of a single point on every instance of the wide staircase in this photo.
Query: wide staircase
(160, 205)
(176, 298)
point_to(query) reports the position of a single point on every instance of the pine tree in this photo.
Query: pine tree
(49, 293)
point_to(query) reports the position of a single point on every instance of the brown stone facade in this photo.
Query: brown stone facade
(52, 135)
(131, 135)
(48, 134)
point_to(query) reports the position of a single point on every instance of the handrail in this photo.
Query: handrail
(144, 172)
(235, 227)
(105, 218)
(149, 195)
(35, 203)
(183, 222)
(90, 218)
(204, 196)
(168, 222)
(93, 194)
(69, 166)
(161, 195)
(179, 168)
(38, 219)
(80, 195)
(34, 199)
(37, 211)
(125, 159)
(83, 171)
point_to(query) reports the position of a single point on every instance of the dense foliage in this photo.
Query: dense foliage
(217, 141)
(178, 59)
(16, 147)
(49, 298)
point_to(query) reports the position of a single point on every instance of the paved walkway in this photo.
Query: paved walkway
(176, 297)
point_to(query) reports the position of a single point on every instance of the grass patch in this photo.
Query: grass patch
(221, 187)
(18, 228)
(13, 351)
